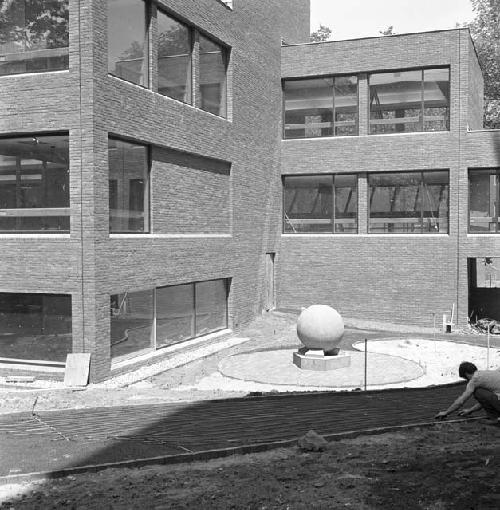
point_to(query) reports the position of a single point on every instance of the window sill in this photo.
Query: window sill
(21, 75)
(168, 236)
(34, 236)
(391, 236)
(367, 135)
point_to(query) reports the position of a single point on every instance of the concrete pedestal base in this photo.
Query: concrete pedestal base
(319, 362)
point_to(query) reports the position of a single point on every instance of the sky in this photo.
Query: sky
(350, 19)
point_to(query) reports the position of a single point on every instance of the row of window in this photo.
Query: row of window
(191, 67)
(398, 202)
(39, 326)
(34, 37)
(399, 102)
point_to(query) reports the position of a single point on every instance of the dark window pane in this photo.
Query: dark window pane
(409, 202)
(308, 108)
(346, 105)
(33, 36)
(174, 314)
(346, 204)
(128, 187)
(35, 326)
(131, 323)
(308, 204)
(174, 58)
(396, 102)
(213, 77)
(127, 41)
(211, 306)
(435, 191)
(436, 99)
(483, 191)
(34, 184)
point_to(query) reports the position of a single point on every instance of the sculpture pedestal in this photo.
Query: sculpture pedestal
(316, 360)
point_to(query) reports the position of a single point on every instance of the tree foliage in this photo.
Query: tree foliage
(388, 31)
(322, 34)
(46, 24)
(485, 31)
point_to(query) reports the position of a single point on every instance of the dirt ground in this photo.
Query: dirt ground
(449, 466)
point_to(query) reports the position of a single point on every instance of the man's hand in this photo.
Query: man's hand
(441, 415)
(465, 412)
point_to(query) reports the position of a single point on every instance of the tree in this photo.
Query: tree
(388, 31)
(485, 31)
(46, 26)
(322, 34)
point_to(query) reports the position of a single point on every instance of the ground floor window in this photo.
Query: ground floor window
(322, 204)
(484, 288)
(484, 194)
(408, 202)
(152, 319)
(35, 327)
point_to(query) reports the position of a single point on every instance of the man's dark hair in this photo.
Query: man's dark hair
(466, 368)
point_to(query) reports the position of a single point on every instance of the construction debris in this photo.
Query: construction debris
(485, 324)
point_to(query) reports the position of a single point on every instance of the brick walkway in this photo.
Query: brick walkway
(75, 439)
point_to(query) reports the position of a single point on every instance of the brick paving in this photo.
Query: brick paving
(65, 440)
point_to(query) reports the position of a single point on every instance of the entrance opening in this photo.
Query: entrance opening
(484, 288)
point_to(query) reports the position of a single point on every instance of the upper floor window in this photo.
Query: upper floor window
(34, 36)
(34, 184)
(408, 202)
(484, 190)
(321, 107)
(213, 62)
(128, 187)
(410, 101)
(127, 41)
(174, 58)
(320, 204)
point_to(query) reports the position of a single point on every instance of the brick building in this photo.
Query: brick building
(162, 162)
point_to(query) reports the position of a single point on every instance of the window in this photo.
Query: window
(408, 202)
(410, 101)
(212, 77)
(320, 204)
(128, 187)
(131, 323)
(321, 107)
(127, 41)
(35, 327)
(484, 192)
(174, 58)
(179, 312)
(176, 55)
(34, 184)
(34, 36)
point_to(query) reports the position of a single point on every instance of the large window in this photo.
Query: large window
(484, 197)
(408, 202)
(128, 187)
(181, 65)
(34, 184)
(33, 36)
(127, 40)
(174, 58)
(212, 76)
(179, 312)
(35, 327)
(410, 101)
(320, 204)
(321, 107)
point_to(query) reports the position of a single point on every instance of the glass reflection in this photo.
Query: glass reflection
(213, 77)
(483, 200)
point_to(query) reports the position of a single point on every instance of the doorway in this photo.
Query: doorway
(484, 288)
(269, 284)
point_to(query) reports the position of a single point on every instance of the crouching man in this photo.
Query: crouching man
(484, 385)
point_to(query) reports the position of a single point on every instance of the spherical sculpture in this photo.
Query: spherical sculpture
(320, 327)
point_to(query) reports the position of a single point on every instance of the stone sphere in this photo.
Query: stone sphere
(320, 327)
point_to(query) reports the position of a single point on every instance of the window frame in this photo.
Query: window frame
(66, 209)
(333, 218)
(494, 201)
(421, 216)
(422, 98)
(147, 195)
(319, 77)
